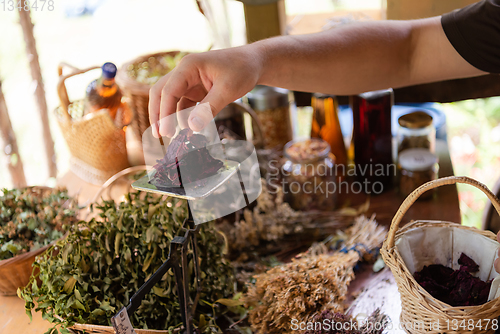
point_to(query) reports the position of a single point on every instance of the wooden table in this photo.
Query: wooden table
(374, 289)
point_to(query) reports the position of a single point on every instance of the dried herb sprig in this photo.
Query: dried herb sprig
(272, 219)
(314, 283)
(32, 218)
(90, 275)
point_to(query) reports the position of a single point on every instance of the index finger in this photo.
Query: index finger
(154, 104)
(174, 89)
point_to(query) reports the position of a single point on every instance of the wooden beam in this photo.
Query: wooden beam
(14, 162)
(411, 9)
(264, 21)
(36, 74)
(443, 91)
(451, 90)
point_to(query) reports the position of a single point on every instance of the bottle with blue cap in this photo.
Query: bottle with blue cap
(104, 93)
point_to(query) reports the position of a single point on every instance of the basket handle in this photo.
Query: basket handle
(259, 141)
(61, 86)
(408, 202)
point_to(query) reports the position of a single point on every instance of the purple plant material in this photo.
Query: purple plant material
(454, 287)
(187, 149)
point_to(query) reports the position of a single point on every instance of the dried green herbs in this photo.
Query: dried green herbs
(32, 218)
(93, 273)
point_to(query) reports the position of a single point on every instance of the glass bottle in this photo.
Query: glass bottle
(372, 138)
(104, 93)
(326, 125)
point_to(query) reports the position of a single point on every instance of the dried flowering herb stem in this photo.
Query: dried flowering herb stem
(272, 220)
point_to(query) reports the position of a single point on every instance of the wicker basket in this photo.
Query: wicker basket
(97, 145)
(16, 271)
(138, 93)
(418, 307)
(94, 329)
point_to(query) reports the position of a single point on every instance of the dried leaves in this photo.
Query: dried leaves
(455, 287)
(32, 218)
(272, 219)
(187, 153)
(103, 262)
(314, 283)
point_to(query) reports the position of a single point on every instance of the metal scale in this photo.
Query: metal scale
(177, 259)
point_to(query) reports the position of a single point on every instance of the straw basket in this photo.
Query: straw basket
(138, 93)
(16, 271)
(418, 307)
(96, 143)
(94, 329)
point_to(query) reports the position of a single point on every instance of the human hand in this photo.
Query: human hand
(217, 77)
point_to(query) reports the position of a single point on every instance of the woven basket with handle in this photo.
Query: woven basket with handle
(96, 142)
(418, 306)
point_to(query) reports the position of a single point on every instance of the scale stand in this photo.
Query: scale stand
(177, 259)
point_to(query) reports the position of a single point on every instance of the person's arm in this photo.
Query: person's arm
(362, 57)
(345, 60)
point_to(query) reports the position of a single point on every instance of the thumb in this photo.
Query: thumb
(200, 116)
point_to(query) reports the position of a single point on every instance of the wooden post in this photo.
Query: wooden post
(36, 74)
(264, 21)
(14, 163)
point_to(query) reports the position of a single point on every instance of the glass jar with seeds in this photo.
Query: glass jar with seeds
(417, 166)
(309, 180)
(416, 130)
(272, 107)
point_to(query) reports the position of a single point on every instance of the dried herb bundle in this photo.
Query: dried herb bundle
(102, 263)
(32, 218)
(272, 219)
(314, 283)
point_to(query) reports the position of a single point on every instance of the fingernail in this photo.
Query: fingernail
(155, 131)
(197, 123)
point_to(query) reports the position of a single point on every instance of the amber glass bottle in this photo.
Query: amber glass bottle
(103, 93)
(326, 125)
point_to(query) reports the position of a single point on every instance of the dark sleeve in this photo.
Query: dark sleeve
(474, 31)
